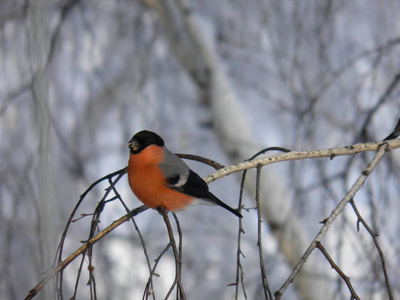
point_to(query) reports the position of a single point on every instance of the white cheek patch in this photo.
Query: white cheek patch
(182, 181)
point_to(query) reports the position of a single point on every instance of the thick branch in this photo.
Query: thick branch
(297, 155)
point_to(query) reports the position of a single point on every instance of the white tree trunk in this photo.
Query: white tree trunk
(43, 175)
(237, 140)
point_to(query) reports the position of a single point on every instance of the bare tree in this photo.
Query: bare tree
(220, 79)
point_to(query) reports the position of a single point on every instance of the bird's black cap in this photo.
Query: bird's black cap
(143, 139)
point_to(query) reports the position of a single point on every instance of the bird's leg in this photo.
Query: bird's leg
(161, 210)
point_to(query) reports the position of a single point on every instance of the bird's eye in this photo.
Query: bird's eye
(134, 145)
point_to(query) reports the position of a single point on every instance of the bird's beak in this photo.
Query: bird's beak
(133, 145)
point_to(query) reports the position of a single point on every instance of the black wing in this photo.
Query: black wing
(196, 187)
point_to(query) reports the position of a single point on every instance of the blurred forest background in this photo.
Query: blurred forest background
(221, 79)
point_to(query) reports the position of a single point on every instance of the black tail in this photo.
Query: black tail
(215, 200)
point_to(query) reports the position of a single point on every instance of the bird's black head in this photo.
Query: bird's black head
(143, 139)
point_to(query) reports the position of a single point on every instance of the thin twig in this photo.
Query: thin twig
(338, 270)
(180, 251)
(263, 151)
(178, 260)
(94, 226)
(148, 290)
(59, 252)
(267, 291)
(239, 253)
(77, 277)
(204, 160)
(141, 239)
(374, 237)
(92, 283)
(84, 248)
(61, 244)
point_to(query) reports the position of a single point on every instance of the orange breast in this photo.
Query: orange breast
(149, 185)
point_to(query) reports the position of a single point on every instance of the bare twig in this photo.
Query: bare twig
(180, 250)
(109, 176)
(328, 222)
(338, 270)
(58, 257)
(94, 225)
(178, 258)
(204, 160)
(141, 241)
(263, 151)
(374, 237)
(60, 294)
(84, 248)
(267, 291)
(239, 253)
(149, 290)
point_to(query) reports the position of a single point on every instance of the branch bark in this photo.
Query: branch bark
(296, 155)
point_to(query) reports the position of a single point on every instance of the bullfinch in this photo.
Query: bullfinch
(159, 178)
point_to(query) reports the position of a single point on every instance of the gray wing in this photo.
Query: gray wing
(174, 169)
(181, 178)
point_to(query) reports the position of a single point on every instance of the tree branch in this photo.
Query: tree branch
(374, 237)
(297, 155)
(338, 270)
(339, 208)
(264, 280)
(84, 248)
(256, 163)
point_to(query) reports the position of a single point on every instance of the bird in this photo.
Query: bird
(395, 133)
(160, 179)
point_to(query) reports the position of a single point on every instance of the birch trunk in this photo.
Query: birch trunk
(43, 172)
(235, 135)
